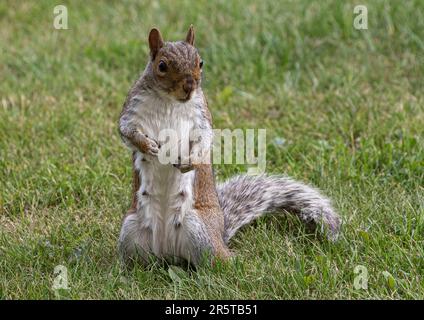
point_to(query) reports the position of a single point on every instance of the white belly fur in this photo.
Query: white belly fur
(169, 199)
(168, 193)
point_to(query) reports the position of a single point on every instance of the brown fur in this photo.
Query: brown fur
(135, 185)
(207, 206)
(182, 63)
(179, 72)
(190, 36)
(155, 42)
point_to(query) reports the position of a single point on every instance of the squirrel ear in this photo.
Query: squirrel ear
(190, 35)
(155, 42)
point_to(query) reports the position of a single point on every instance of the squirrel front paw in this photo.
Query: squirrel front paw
(149, 146)
(184, 166)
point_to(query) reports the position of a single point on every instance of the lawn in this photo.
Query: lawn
(343, 109)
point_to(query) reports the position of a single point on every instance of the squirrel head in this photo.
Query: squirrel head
(175, 67)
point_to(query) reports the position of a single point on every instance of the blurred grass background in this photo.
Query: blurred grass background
(343, 109)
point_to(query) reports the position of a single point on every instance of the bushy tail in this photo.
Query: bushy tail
(245, 198)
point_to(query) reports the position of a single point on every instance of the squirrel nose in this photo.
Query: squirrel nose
(188, 85)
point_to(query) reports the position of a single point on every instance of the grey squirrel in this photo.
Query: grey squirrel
(177, 212)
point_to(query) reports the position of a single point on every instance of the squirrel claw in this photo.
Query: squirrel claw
(150, 146)
(153, 151)
(184, 167)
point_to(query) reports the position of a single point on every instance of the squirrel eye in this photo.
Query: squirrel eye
(162, 66)
(201, 64)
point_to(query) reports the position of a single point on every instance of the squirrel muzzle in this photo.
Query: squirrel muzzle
(188, 87)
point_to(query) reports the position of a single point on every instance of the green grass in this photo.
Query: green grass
(347, 105)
